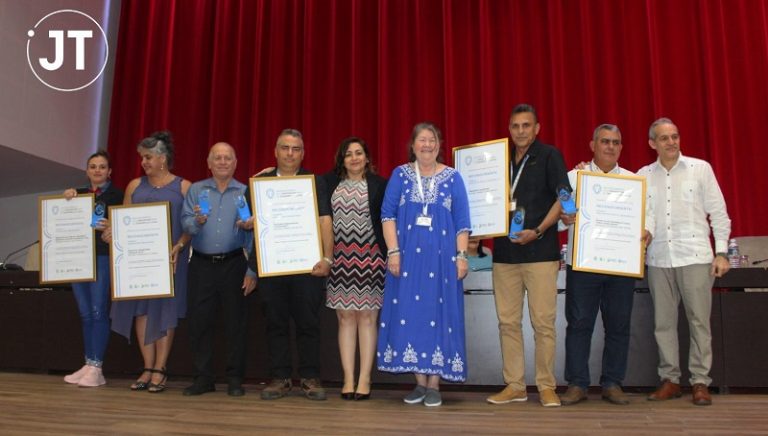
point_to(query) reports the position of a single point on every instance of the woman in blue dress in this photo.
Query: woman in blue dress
(425, 217)
(156, 319)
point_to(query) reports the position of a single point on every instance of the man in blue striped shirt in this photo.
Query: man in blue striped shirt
(218, 271)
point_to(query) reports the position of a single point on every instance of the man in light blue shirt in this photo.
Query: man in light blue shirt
(218, 271)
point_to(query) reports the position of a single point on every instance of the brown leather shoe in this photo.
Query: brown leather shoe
(666, 391)
(614, 394)
(701, 395)
(573, 395)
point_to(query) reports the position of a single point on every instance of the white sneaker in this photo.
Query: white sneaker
(93, 377)
(75, 377)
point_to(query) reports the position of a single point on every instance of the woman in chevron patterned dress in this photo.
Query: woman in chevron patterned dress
(356, 282)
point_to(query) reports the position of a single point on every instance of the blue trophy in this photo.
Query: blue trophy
(242, 208)
(99, 210)
(203, 202)
(518, 219)
(566, 200)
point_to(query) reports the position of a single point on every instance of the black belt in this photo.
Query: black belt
(217, 258)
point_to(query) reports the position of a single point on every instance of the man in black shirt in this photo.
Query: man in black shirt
(529, 261)
(299, 296)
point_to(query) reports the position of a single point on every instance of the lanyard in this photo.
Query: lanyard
(421, 187)
(517, 178)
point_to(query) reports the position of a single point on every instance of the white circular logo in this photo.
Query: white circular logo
(67, 50)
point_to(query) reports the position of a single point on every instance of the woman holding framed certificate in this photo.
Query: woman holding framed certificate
(425, 218)
(356, 282)
(156, 318)
(93, 297)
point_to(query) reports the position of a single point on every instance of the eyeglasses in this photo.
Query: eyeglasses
(606, 141)
(286, 148)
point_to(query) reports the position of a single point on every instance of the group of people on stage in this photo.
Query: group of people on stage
(399, 247)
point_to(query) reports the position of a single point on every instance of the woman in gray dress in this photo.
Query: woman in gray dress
(156, 319)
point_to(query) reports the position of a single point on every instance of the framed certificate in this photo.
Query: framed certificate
(286, 229)
(485, 170)
(67, 240)
(141, 251)
(608, 231)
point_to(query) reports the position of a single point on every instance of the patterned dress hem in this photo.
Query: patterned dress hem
(417, 370)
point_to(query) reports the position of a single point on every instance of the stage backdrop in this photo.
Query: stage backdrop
(240, 71)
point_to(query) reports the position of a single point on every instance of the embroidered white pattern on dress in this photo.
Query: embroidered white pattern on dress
(437, 357)
(410, 355)
(430, 194)
(458, 364)
(447, 202)
(388, 354)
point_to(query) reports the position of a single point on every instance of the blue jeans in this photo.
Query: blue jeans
(92, 300)
(586, 293)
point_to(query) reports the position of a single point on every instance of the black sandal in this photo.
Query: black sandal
(155, 388)
(140, 385)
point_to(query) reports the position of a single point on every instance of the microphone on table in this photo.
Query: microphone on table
(757, 262)
(5, 266)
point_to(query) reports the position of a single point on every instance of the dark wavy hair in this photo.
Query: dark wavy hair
(425, 125)
(341, 152)
(100, 153)
(160, 143)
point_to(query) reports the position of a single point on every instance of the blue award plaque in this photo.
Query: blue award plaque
(566, 201)
(99, 210)
(516, 224)
(242, 208)
(203, 202)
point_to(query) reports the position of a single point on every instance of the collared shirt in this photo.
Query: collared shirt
(219, 234)
(572, 175)
(536, 191)
(683, 198)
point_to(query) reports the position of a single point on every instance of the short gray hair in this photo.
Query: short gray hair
(652, 129)
(291, 132)
(605, 126)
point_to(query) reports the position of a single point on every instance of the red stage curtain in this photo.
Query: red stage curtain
(240, 71)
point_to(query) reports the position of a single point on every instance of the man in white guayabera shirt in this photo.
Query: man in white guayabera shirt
(687, 201)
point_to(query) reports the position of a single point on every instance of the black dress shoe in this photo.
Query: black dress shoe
(361, 397)
(347, 395)
(198, 389)
(235, 390)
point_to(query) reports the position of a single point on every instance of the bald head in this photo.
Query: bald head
(222, 161)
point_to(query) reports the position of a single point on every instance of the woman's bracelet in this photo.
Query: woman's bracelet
(462, 254)
(393, 252)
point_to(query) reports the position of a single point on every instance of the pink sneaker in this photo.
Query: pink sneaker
(92, 378)
(75, 377)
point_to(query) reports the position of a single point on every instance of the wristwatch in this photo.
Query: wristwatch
(539, 234)
(723, 255)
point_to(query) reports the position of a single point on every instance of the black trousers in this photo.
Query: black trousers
(297, 297)
(208, 285)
